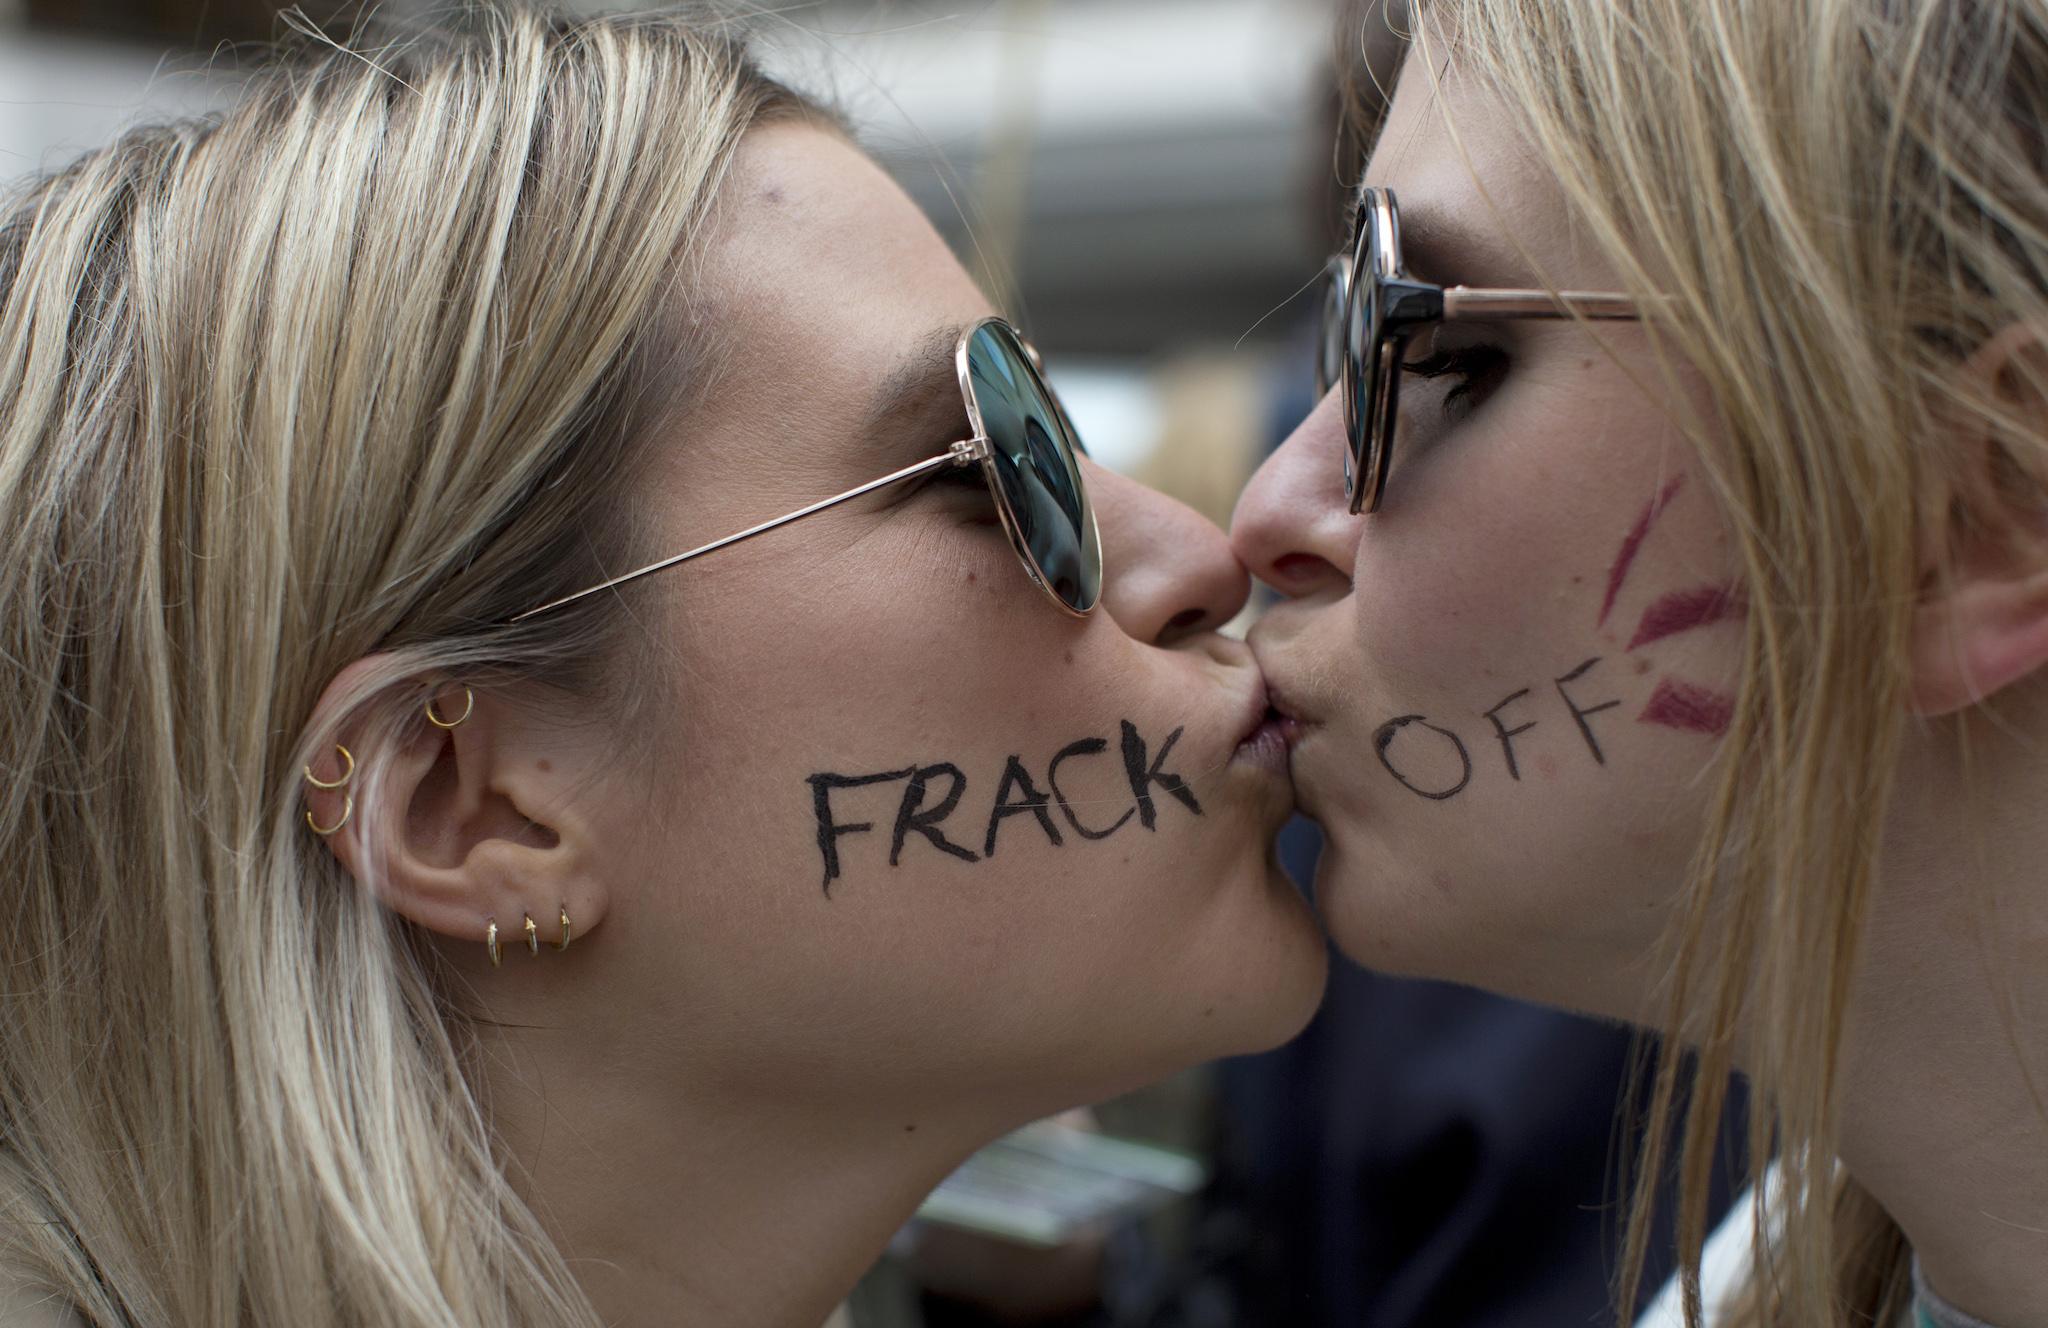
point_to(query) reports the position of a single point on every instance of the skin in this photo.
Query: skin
(735, 1086)
(1508, 521)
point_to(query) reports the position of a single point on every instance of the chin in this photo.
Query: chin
(1380, 920)
(1414, 926)
(1276, 964)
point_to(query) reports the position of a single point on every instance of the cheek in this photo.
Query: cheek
(1498, 575)
(1555, 608)
(1013, 902)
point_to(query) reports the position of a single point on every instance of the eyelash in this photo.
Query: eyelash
(967, 476)
(1477, 367)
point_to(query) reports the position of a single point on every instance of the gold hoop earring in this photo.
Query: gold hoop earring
(563, 944)
(346, 775)
(468, 704)
(491, 941)
(348, 808)
(532, 936)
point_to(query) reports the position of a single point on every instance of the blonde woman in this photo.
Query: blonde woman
(454, 880)
(1667, 588)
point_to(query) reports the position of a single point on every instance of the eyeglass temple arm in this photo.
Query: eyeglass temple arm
(964, 452)
(1474, 302)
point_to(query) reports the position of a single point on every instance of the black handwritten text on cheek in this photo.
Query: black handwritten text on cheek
(932, 793)
(1399, 743)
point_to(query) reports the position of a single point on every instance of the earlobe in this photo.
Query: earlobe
(456, 824)
(1982, 621)
(1976, 640)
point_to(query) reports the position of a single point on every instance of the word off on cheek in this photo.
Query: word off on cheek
(1431, 760)
(923, 809)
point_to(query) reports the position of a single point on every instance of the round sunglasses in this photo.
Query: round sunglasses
(1372, 309)
(1028, 452)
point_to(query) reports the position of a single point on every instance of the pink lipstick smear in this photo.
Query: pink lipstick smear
(1681, 705)
(1633, 544)
(1685, 610)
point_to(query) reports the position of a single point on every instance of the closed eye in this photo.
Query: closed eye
(1478, 370)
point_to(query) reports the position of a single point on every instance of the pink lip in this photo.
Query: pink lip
(1283, 712)
(1256, 710)
(1272, 733)
(1280, 705)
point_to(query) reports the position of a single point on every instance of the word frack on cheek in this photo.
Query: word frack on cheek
(932, 793)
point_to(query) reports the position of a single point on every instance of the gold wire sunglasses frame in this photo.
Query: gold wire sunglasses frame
(966, 452)
(1368, 323)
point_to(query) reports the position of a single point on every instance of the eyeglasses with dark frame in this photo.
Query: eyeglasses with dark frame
(1372, 309)
(1028, 452)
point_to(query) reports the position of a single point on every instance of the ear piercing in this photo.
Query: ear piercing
(532, 936)
(348, 772)
(348, 800)
(468, 704)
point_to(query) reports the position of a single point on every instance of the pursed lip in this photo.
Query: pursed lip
(1282, 716)
(1257, 711)
(1281, 709)
(1270, 732)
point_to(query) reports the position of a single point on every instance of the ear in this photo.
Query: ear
(1982, 620)
(463, 822)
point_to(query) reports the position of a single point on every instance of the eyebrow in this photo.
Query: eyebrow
(920, 392)
(1436, 249)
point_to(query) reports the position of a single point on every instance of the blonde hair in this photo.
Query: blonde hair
(361, 364)
(1834, 202)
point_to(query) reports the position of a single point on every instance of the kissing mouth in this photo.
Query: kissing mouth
(1282, 715)
(1271, 730)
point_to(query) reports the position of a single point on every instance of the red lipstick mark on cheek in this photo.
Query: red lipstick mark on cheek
(1684, 610)
(1633, 545)
(1680, 705)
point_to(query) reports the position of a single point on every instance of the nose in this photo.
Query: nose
(1292, 527)
(1168, 572)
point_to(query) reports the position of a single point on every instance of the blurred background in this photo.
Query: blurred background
(1151, 188)
(1146, 185)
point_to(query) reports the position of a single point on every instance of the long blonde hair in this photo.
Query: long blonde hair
(1833, 200)
(362, 363)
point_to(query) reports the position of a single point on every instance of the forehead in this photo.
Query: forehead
(818, 266)
(1463, 172)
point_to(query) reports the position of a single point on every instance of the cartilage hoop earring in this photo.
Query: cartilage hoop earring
(563, 944)
(532, 936)
(348, 808)
(346, 775)
(468, 704)
(491, 941)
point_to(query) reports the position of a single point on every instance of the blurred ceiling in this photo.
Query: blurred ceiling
(1128, 176)
(1150, 173)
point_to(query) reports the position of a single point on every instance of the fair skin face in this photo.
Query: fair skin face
(755, 1060)
(1553, 515)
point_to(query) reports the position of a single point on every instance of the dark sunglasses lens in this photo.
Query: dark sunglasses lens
(1368, 362)
(1330, 346)
(1359, 354)
(1033, 447)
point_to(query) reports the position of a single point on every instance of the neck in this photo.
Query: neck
(730, 1209)
(1945, 1115)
